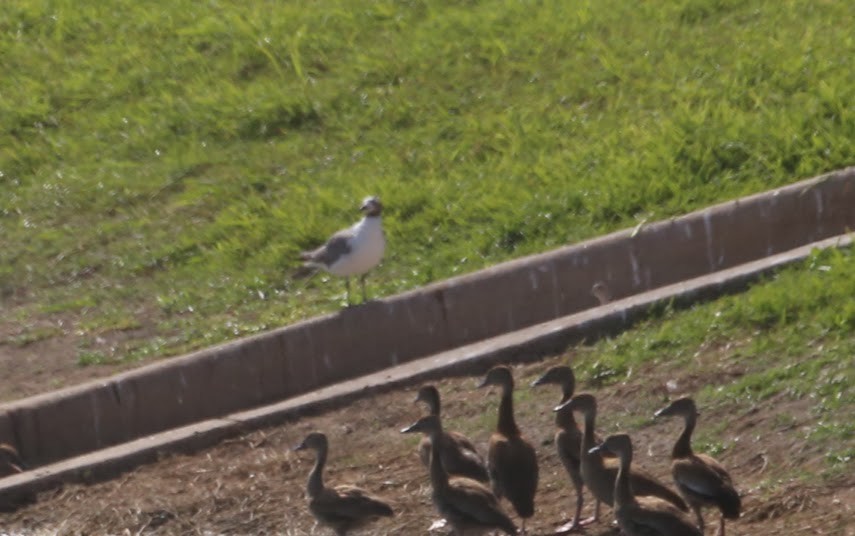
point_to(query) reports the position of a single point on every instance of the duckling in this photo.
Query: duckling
(464, 502)
(599, 474)
(511, 460)
(459, 456)
(344, 507)
(642, 516)
(568, 438)
(702, 480)
(10, 461)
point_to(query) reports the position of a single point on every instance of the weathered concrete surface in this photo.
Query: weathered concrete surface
(527, 344)
(509, 297)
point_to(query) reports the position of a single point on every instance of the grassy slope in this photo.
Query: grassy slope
(771, 370)
(162, 162)
(790, 339)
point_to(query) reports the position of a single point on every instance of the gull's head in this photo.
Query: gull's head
(371, 206)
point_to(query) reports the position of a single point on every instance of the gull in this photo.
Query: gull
(352, 251)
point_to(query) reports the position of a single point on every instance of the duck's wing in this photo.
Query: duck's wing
(475, 502)
(716, 467)
(356, 503)
(645, 484)
(462, 441)
(462, 461)
(516, 469)
(708, 482)
(655, 516)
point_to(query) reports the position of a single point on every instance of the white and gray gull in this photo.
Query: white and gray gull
(352, 251)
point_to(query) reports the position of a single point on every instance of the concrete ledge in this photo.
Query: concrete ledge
(527, 344)
(297, 359)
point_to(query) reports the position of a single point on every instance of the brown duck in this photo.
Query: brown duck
(458, 454)
(465, 503)
(642, 516)
(700, 479)
(568, 438)
(342, 508)
(511, 460)
(599, 473)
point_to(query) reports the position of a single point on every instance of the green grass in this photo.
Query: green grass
(788, 339)
(163, 162)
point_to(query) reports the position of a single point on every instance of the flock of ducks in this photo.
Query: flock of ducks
(467, 491)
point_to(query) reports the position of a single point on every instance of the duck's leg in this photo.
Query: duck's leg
(576, 523)
(594, 518)
(720, 526)
(362, 280)
(700, 517)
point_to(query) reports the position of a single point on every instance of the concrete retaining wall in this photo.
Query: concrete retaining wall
(302, 357)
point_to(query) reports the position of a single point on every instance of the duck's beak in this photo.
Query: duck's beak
(563, 405)
(410, 429)
(538, 381)
(300, 446)
(598, 449)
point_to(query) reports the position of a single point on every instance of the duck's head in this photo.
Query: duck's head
(500, 376)
(618, 444)
(684, 407)
(583, 403)
(371, 206)
(430, 396)
(561, 375)
(316, 441)
(428, 424)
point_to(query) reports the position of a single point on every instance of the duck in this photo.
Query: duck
(342, 508)
(641, 516)
(354, 251)
(459, 456)
(568, 438)
(701, 479)
(599, 473)
(511, 459)
(466, 503)
(10, 461)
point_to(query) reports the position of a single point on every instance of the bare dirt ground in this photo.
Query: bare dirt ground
(31, 365)
(254, 484)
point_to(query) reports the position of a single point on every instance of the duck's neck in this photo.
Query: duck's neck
(433, 406)
(507, 426)
(588, 431)
(623, 492)
(683, 446)
(316, 480)
(564, 418)
(438, 476)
